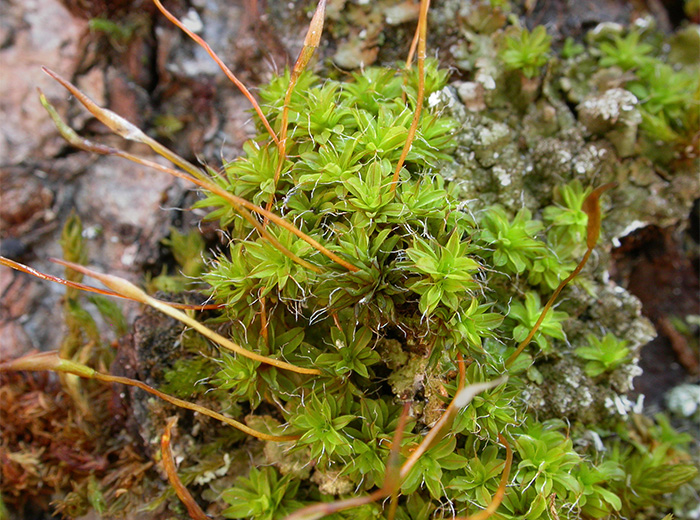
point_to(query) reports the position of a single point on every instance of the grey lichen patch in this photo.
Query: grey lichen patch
(684, 401)
(542, 119)
(513, 153)
(613, 114)
(613, 311)
(649, 197)
(472, 95)
(594, 159)
(219, 468)
(553, 158)
(567, 392)
(489, 140)
(617, 311)
(600, 113)
(622, 379)
(488, 166)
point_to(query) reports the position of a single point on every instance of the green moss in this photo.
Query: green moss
(528, 51)
(431, 281)
(418, 257)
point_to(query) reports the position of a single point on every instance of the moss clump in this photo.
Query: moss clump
(431, 281)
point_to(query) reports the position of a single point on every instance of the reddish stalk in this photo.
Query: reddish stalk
(115, 123)
(87, 288)
(592, 208)
(128, 289)
(311, 43)
(181, 491)
(52, 362)
(409, 58)
(230, 75)
(422, 35)
(263, 318)
(462, 398)
(393, 468)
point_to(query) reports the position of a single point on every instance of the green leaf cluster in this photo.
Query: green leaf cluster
(603, 355)
(527, 51)
(188, 251)
(652, 466)
(448, 273)
(322, 424)
(626, 53)
(511, 244)
(263, 495)
(525, 314)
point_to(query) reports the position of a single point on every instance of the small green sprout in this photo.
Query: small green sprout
(547, 460)
(473, 323)
(571, 49)
(668, 94)
(428, 470)
(566, 216)
(275, 270)
(111, 313)
(186, 377)
(604, 355)
(119, 33)
(263, 495)
(229, 278)
(353, 352)
(449, 273)
(514, 244)
(379, 419)
(321, 424)
(370, 199)
(551, 268)
(626, 53)
(480, 478)
(74, 247)
(527, 51)
(650, 470)
(597, 501)
(526, 315)
(188, 251)
(168, 125)
(490, 412)
(663, 89)
(239, 375)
